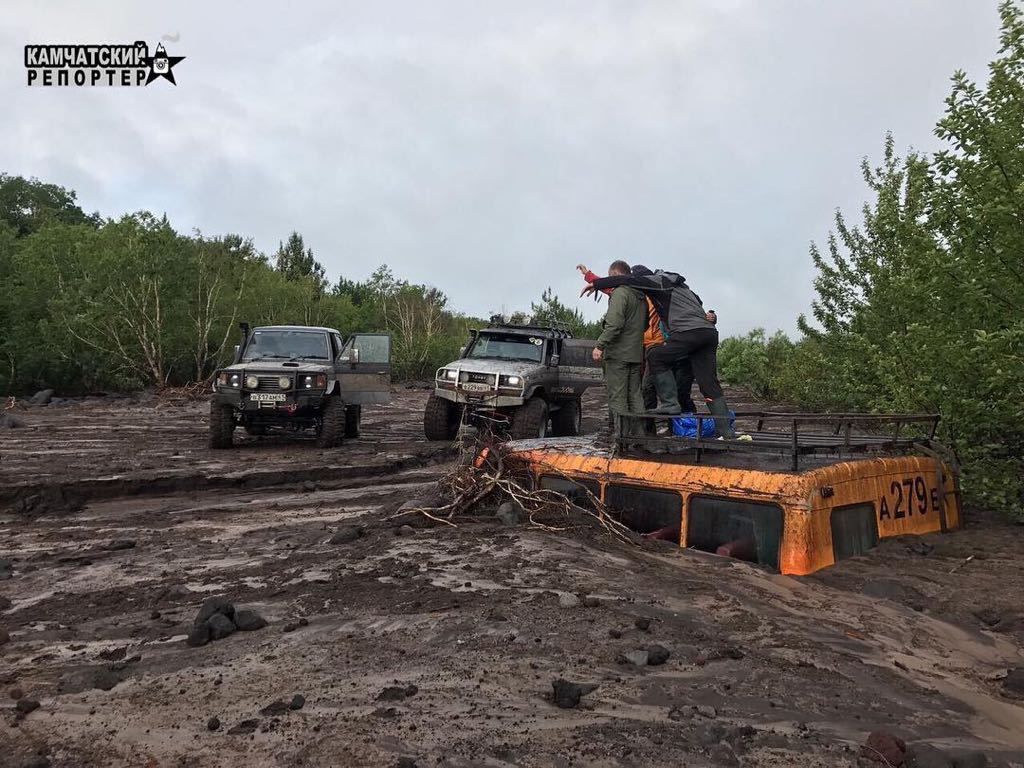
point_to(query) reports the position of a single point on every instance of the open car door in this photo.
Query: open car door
(577, 370)
(363, 369)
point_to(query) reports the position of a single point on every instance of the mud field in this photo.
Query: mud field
(390, 642)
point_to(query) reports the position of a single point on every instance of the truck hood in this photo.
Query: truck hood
(278, 366)
(506, 367)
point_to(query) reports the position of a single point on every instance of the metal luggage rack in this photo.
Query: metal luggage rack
(780, 433)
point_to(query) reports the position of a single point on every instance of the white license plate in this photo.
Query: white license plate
(267, 397)
(472, 387)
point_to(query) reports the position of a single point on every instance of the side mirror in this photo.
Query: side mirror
(554, 359)
(238, 352)
(462, 350)
(353, 356)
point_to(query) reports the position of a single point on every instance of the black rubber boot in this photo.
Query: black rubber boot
(720, 410)
(668, 395)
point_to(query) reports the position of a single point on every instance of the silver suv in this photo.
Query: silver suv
(523, 379)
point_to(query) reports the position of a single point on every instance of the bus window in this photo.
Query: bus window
(575, 490)
(748, 530)
(854, 530)
(644, 509)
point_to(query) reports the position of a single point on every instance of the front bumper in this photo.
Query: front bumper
(492, 399)
(294, 402)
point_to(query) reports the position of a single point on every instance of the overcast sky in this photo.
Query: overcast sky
(488, 147)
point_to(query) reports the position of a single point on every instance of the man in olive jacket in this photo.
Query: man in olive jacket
(621, 347)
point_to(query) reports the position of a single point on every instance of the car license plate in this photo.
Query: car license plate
(267, 397)
(472, 387)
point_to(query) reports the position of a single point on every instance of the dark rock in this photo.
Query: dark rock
(244, 727)
(220, 626)
(120, 544)
(642, 623)
(895, 590)
(637, 658)
(723, 754)
(387, 713)
(114, 654)
(970, 760)
(15, 693)
(5, 637)
(706, 710)
(102, 678)
(927, 756)
(397, 692)
(212, 606)
(591, 601)
(10, 421)
(567, 695)
(6, 568)
(615, 633)
(657, 655)
(1013, 683)
(508, 513)
(345, 535)
(213, 724)
(199, 635)
(154, 615)
(405, 530)
(308, 486)
(42, 397)
(5, 603)
(291, 626)
(303, 622)
(406, 762)
(274, 709)
(37, 761)
(106, 679)
(988, 616)
(709, 735)
(885, 748)
(249, 621)
(25, 706)
(298, 701)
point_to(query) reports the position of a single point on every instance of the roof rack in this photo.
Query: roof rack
(558, 328)
(786, 434)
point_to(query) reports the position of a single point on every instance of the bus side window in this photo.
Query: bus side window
(749, 530)
(644, 510)
(575, 490)
(854, 530)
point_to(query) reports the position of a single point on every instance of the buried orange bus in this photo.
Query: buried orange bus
(754, 503)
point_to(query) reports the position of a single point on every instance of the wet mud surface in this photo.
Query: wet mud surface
(412, 644)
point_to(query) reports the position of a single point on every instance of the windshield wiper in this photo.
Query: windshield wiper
(308, 357)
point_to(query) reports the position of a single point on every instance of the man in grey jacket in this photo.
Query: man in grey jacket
(691, 335)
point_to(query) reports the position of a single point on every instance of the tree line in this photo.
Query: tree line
(920, 305)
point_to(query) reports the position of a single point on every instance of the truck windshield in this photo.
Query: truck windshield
(502, 346)
(287, 345)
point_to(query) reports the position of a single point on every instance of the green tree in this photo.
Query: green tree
(26, 205)
(296, 262)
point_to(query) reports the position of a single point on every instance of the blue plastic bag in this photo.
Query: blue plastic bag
(686, 425)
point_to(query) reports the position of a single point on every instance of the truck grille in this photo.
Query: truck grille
(268, 384)
(470, 377)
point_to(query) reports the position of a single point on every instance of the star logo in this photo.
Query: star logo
(160, 65)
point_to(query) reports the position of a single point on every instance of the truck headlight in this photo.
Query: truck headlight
(447, 374)
(228, 379)
(251, 382)
(284, 382)
(318, 381)
(511, 381)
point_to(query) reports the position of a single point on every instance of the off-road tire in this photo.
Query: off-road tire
(441, 418)
(567, 420)
(256, 430)
(222, 425)
(332, 423)
(530, 420)
(353, 417)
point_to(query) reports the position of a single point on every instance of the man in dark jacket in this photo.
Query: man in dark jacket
(691, 334)
(621, 347)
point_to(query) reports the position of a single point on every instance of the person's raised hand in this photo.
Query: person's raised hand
(711, 317)
(597, 354)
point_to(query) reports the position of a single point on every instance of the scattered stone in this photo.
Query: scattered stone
(291, 626)
(249, 621)
(154, 615)
(642, 623)
(657, 655)
(5, 603)
(212, 606)
(213, 724)
(274, 708)
(885, 748)
(397, 692)
(1013, 683)
(637, 658)
(25, 706)
(387, 713)
(508, 513)
(614, 633)
(706, 710)
(591, 601)
(303, 622)
(199, 635)
(105, 679)
(114, 654)
(988, 616)
(220, 626)
(244, 727)
(118, 545)
(346, 535)
(405, 530)
(568, 600)
(298, 702)
(406, 762)
(567, 695)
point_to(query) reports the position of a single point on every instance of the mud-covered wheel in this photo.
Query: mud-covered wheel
(256, 430)
(222, 425)
(332, 423)
(353, 417)
(530, 420)
(567, 421)
(441, 418)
